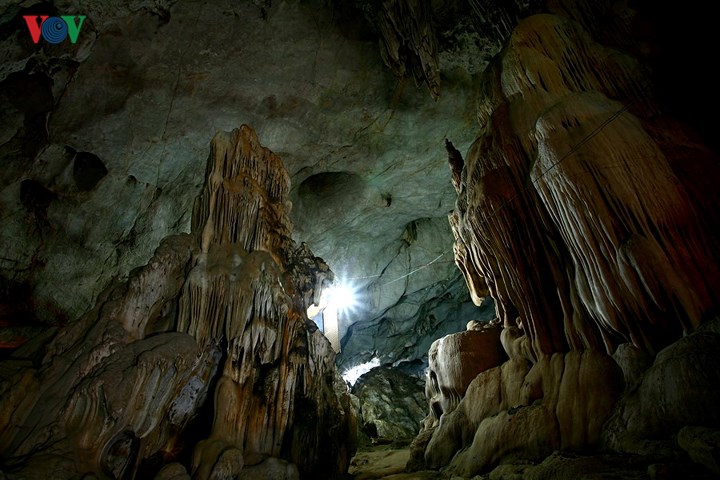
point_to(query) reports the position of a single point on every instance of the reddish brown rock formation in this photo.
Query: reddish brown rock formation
(214, 322)
(237, 293)
(454, 361)
(559, 207)
(578, 211)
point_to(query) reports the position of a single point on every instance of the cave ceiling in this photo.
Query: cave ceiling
(105, 141)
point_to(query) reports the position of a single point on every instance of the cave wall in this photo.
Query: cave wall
(103, 141)
(584, 205)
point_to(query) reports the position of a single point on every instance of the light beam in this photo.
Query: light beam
(341, 297)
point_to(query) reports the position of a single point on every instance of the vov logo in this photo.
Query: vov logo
(54, 29)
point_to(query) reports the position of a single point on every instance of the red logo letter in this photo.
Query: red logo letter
(34, 26)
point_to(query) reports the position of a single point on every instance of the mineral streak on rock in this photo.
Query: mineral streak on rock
(578, 212)
(214, 322)
(559, 206)
(244, 200)
(237, 293)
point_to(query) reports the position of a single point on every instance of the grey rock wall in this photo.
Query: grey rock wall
(148, 83)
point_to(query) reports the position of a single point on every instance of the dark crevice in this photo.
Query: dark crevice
(35, 197)
(88, 170)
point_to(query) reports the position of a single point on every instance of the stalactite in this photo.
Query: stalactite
(581, 219)
(558, 190)
(408, 42)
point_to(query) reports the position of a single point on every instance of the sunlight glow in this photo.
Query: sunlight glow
(351, 375)
(335, 300)
(341, 297)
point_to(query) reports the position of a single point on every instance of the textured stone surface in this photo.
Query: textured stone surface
(213, 326)
(454, 361)
(524, 411)
(589, 215)
(391, 404)
(679, 389)
(149, 82)
(559, 219)
(558, 192)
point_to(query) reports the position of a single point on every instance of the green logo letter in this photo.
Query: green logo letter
(73, 28)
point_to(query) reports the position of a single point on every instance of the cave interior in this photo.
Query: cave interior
(359, 239)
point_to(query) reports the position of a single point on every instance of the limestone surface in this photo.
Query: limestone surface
(103, 141)
(391, 405)
(203, 364)
(577, 212)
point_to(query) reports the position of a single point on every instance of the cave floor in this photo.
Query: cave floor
(386, 462)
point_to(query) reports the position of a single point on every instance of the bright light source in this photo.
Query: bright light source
(341, 297)
(351, 375)
(336, 299)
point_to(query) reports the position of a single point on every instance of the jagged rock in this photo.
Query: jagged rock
(392, 404)
(215, 321)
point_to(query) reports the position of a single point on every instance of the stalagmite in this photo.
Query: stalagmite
(213, 326)
(237, 294)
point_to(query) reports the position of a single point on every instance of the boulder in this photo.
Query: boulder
(392, 404)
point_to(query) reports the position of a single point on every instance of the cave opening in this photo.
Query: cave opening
(334, 301)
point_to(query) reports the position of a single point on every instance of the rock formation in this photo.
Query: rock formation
(578, 213)
(148, 83)
(203, 364)
(454, 361)
(586, 200)
(578, 195)
(390, 405)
